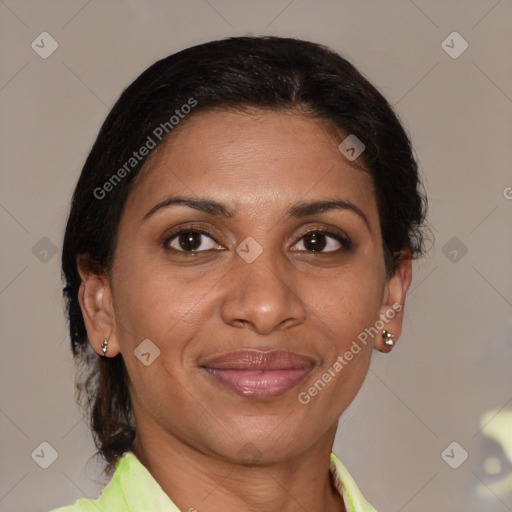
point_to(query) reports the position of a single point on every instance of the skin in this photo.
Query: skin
(191, 431)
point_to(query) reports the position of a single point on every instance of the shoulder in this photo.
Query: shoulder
(131, 489)
(111, 498)
(108, 500)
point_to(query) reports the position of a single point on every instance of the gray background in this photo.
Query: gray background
(449, 378)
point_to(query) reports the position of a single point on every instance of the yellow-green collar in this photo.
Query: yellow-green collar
(133, 489)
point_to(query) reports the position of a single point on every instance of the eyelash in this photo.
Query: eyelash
(345, 242)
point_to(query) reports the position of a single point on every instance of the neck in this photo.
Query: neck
(195, 480)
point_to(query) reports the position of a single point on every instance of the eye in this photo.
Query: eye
(323, 241)
(190, 240)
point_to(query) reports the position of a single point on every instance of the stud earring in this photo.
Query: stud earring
(387, 337)
(104, 347)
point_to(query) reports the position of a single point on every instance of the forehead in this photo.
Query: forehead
(259, 159)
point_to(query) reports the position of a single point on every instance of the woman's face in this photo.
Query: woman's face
(253, 274)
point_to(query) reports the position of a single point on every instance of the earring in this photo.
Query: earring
(104, 348)
(387, 337)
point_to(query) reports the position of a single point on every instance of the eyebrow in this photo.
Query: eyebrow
(302, 209)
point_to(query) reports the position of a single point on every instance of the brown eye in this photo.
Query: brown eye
(191, 240)
(322, 242)
(315, 242)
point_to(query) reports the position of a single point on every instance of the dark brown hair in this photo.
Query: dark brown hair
(234, 73)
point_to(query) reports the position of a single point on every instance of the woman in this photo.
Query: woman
(239, 242)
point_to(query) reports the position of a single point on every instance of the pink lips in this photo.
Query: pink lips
(258, 374)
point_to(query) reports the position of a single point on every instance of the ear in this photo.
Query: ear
(95, 297)
(392, 309)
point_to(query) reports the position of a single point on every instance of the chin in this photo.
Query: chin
(268, 446)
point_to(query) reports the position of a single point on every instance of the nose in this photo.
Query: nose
(263, 295)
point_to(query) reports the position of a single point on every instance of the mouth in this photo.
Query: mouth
(259, 374)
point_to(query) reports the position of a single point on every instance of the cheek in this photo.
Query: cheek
(153, 305)
(348, 302)
(153, 302)
(347, 306)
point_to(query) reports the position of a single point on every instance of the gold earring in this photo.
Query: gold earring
(387, 337)
(104, 347)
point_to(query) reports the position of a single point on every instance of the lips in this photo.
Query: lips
(259, 374)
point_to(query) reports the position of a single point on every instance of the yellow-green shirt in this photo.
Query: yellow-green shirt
(133, 489)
